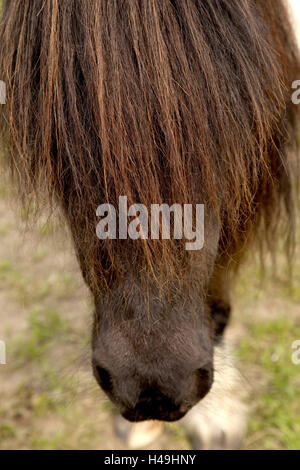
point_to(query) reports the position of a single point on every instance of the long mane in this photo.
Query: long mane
(164, 101)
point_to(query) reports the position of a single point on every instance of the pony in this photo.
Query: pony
(164, 102)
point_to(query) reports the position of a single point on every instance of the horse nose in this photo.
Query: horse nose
(174, 402)
(155, 406)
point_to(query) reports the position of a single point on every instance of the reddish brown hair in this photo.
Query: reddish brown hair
(183, 101)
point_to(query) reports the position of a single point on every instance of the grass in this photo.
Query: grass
(43, 330)
(28, 289)
(275, 418)
(7, 431)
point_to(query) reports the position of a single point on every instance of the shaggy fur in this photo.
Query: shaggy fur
(162, 101)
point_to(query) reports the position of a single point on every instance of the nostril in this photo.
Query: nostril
(103, 377)
(204, 380)
(205, 372)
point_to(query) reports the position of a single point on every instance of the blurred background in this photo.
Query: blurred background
(48, 397)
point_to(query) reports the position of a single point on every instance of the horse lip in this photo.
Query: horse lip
(135, 417)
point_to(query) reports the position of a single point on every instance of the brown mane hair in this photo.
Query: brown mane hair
(164, 101)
